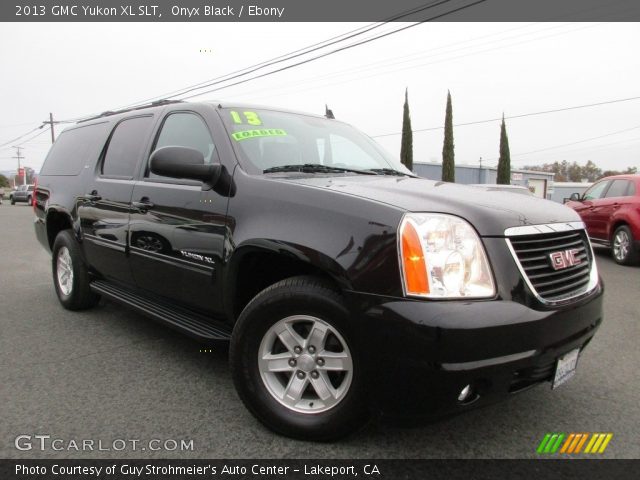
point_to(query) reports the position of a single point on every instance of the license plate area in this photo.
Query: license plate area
(565, 368)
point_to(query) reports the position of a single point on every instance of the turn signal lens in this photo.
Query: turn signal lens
(413, 264)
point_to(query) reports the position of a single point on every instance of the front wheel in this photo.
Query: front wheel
(622, 246)
(70, 274)
(295, 364)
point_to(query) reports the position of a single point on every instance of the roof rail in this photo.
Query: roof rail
(108, 113)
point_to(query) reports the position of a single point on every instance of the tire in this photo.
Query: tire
(622, 246)
(329, 395)
(70, 274)
(13, 202)
(29, 200)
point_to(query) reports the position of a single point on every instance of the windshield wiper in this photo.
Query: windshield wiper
(389, 171)
(316, 168)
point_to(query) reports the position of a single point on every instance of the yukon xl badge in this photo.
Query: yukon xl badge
(564, 259)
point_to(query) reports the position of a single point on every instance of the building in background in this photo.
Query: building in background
(539, 183)
(563, 190)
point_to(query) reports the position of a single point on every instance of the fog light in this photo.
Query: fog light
(465, 394)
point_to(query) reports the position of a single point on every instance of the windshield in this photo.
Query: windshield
(266, 140)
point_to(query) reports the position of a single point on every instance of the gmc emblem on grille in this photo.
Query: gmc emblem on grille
(564, 259)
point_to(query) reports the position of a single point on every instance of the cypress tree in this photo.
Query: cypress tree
(504, 162)
(448, 162)
(406, 147)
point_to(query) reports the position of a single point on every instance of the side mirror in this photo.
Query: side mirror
(575, 197)
(184, 162)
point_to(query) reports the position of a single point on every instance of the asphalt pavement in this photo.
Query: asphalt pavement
(110, 374)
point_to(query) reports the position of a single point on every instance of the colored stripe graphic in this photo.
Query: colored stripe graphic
(567, 443)
(543, 443)
(596, 443)
(607, 439)
(583, 439)
(550, 443)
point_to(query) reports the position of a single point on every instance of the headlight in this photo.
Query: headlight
(441, 256)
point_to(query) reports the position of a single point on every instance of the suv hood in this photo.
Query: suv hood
(489, 212)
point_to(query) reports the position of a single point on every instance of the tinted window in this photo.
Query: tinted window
(74, 149)
(187, 130)
(618, 188)
(596, 191)
(125, 147)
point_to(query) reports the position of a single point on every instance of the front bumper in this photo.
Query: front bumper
(418, 355)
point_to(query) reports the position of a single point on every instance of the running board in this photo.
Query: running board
(193, 324)
(600, 243)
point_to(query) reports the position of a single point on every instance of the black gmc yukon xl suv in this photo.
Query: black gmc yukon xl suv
(345, 285)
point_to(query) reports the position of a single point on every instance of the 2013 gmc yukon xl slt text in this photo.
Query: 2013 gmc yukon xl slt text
(346, 285)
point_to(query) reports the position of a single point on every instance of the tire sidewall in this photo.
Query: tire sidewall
(73, 300)
(248, 335)
(627, 260)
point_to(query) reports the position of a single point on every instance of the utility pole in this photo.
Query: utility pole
(51, 123)
(480, 172)
(20, 157)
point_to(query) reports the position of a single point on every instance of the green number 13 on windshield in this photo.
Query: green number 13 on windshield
(251, 118)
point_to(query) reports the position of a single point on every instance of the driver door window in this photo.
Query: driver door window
(596, 191)
(186, 130)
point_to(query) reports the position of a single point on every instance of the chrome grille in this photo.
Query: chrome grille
(533, 247)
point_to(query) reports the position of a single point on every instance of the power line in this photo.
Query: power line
(572, 143)
(591, 148)
(296, 53)
(28, 139)
(371, 66)
(16, 125)
(289, 56)
(531, 114)
(21, 136)
(35, 136)
(257, 66)
(347, 47)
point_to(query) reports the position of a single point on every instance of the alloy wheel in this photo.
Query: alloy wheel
(621, 245)
(64, 271)
(305, 364)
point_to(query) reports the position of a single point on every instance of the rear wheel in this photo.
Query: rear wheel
(622, 246)
(70, 274)
(294, 361)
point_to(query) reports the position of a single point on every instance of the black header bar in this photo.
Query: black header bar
(317, 11)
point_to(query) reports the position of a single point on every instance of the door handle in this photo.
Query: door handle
(92, 197)
(143, 205)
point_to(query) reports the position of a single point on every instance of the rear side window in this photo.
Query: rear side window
(125, 147)
(618, 188)
(74, 149)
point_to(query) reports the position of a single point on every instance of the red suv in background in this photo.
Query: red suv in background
(610, 208)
